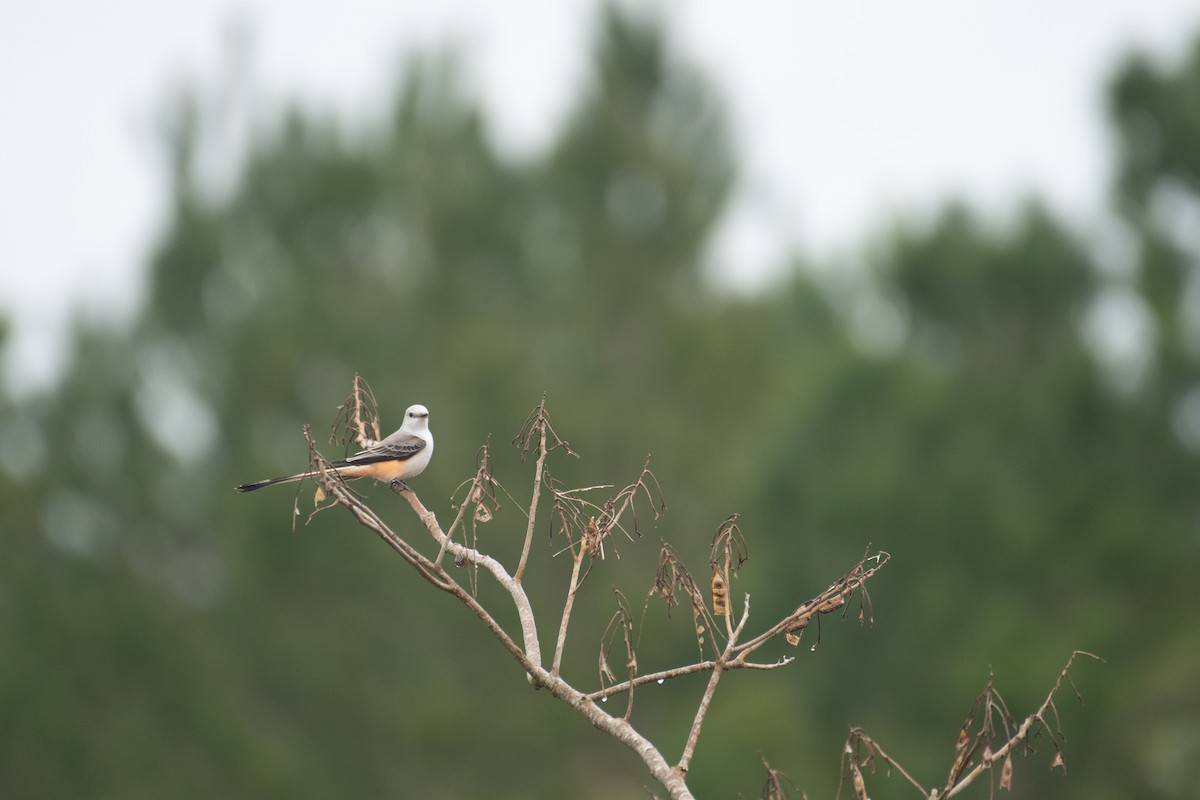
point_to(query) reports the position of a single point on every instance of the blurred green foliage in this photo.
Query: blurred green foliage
(946, 400)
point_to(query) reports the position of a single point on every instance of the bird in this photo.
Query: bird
(402, 455)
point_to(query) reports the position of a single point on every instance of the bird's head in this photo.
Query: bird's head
(416, 417)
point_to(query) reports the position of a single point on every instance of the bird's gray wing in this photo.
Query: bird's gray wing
(393, 448)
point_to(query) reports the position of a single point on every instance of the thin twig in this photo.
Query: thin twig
(482, 485)
(698, 721)
(677, 672)
(537, 428)
(361, 390)
(356, 413)
(568, 604)
(849, 752)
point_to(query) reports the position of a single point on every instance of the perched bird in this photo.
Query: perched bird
(403, 455)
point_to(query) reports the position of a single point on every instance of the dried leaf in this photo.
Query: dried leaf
(1006, 773)
(960, 763)
(591, 536)
(605, 671)
(860, 786)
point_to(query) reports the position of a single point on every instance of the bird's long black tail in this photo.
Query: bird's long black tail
(250, 487)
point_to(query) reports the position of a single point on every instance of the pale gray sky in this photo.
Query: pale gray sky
(845, 113)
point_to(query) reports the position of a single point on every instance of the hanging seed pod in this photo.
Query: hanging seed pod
(720, 595)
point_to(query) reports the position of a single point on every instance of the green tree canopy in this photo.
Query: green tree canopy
(164, 636)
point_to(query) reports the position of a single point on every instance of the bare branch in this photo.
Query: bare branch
(988, 737)
(620, 729)
(646, 486)
(537, 425)
(832, 599)
(667, 674)
(1031, 726)
(861, 750)
(685, 760)
(701, 712)
(590, 544)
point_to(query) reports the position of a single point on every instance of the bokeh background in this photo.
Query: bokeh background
(1000, 390)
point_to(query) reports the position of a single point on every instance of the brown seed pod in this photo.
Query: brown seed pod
(720, 595)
